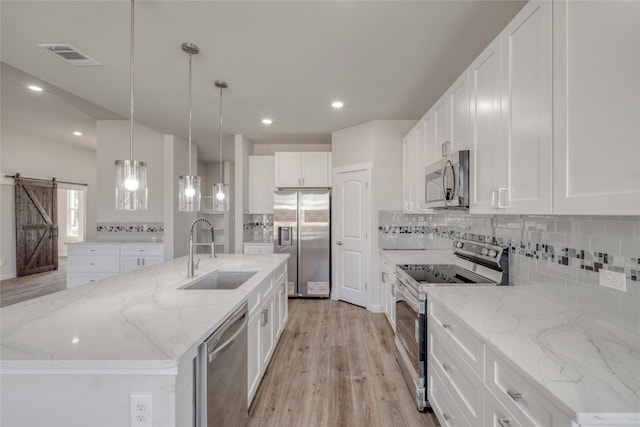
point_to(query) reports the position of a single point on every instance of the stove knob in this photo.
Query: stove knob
(493, 253)
(484, 251)
(458, 244)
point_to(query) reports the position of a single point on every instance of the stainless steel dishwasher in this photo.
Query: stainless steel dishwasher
(221, 375)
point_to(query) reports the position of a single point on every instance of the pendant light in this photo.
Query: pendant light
(189, 186)
(221, 190)
(131, 175)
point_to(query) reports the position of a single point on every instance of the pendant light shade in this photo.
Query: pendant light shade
(189, 195)
(221, 190)
(131, 175)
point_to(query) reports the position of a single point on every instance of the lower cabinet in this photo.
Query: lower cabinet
(87, 262)
(268, 313)
(493, 394)
(388, 286)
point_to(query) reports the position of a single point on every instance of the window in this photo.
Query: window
(73, 217)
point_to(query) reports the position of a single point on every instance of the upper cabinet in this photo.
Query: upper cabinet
(511, 108)
(485, 127)
(303, 170)
(261, 184)
(441, 112)
(596, 114)
(460, 112)
(414, 147)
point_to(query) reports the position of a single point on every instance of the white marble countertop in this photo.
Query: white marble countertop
(118, 242)
(589, 368)
(135, 321)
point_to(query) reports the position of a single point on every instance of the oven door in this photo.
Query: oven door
(411, 340)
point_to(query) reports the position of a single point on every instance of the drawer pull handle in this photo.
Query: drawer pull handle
(446, 416)
(447, 367)
(504, 422)
(92, 263)
(514, 395)
(446, 325)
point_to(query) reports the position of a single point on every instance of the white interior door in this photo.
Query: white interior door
(352, 240)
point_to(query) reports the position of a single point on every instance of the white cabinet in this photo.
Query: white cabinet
(596, 116)
(460, 112)
(312, 169)
(261, 184)
(414, 146)
(91, 262)
(511, 122)
(523, 154)
(441, 112)
(388, 289)
(137, 256)
(471, 384)
(268, 314)
(484, 74)
(257, 248)
(281, 303)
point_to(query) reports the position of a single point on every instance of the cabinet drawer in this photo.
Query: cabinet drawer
(514, 391)
(468, 345)
(258, 249)
(465, 385)
(280, 273)
(78, 279)
(82, 249)
(84, 264)
(496, 415)
(441, 401)
(147, 250)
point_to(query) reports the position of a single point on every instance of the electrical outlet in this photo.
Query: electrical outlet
(141, 410)
(613, 280)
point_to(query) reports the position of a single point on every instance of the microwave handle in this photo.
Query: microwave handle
(445, 198)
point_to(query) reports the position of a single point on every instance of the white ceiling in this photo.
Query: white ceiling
(285, 60)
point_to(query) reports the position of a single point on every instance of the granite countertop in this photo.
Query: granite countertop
(135, 321)
(588, 367)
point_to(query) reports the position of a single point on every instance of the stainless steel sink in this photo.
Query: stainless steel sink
(222, 279)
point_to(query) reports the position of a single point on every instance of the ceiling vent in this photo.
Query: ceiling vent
(70, 54)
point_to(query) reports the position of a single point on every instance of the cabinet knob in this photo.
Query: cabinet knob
(446, 416)
(446, 325)
(447, 367)
(504, 422)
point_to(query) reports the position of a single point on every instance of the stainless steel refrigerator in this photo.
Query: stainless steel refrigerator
(301, 228)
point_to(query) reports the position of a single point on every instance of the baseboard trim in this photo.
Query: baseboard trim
(8, 276)
(376, 308)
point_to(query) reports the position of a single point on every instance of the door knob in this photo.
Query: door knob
(339, 243)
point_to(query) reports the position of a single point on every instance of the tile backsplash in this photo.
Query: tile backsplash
(122, 231)
(257, 228)
(560, 255)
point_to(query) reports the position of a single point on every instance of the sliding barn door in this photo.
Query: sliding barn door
(36, 226)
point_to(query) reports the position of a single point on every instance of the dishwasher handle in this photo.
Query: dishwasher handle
(222, 347)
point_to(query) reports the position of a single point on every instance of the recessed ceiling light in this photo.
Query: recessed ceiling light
(76, 133)
(337, 104)
(35, 88)
(267, 121)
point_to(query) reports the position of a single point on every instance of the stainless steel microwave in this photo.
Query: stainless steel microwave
(447, 182)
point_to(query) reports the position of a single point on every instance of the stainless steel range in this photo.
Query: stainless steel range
(474, 264)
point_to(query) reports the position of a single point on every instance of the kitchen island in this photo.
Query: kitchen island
(78, 355)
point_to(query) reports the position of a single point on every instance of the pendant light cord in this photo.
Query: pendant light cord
(221, 181)
(190, 56)
(131, 87)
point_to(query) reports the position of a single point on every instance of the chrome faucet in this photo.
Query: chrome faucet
(193, 267)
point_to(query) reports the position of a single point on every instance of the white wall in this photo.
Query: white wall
(176, 223)
(36, 157)
(243, 148)
(380, 143)
(113, 144)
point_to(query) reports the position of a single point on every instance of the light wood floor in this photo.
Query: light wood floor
(335, 366)
(25, 288)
